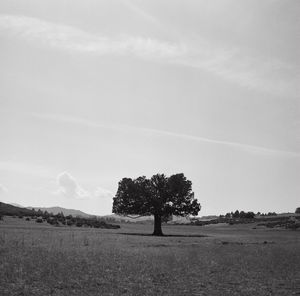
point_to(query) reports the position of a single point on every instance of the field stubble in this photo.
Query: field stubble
(210, 260)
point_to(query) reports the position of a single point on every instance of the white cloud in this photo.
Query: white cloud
(69, 187)
(230, 63)
(3, 189)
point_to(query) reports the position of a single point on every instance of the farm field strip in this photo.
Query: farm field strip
(211, 260)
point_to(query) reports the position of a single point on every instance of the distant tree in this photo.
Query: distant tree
(159, 196)
(242, 214)
(249, 215)
(297, 211)
(46, 215)
(60, 217)
(236, 214)
(228, 215)
(79, 223)
(70, 222)
(39, 212)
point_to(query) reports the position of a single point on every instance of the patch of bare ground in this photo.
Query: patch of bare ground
(210, 260)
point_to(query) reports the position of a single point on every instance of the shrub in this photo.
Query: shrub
(78, 223)
(70, 222)
(39, 220)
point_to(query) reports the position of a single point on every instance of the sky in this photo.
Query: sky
(94, 91)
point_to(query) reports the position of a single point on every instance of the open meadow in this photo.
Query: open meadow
(39, 259)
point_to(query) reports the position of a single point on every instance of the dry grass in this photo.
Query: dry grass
(230, 260)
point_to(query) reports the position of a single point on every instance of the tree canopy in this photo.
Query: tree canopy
(160, 196)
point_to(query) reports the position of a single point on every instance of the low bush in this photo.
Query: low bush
(39, 220)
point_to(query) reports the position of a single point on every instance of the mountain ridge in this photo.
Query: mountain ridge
(56, 210)
(8, 209)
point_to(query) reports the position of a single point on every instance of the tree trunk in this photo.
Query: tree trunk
(157, 226)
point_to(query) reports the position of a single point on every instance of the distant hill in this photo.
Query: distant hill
(118, 218)
(14, 207)
(150, 219)
(17, 205)
(210, 217)
(146, 219)
(66, 212)
(10, 210)
(179, 220)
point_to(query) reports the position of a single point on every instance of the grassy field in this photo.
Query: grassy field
(37, 259)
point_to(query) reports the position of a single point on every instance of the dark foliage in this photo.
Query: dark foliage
(285, 221)
(240, 215)
(55, 220)
(10, 210)
(39, 220)
(159, 196)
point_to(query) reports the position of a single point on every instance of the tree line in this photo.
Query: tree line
(59, 219)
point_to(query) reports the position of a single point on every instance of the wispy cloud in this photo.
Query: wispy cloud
(231, 64)
(73, 39)
(145, 15)
(256, 73)
(25, 168)
(102, 193)
(3, 189)
(155, 132)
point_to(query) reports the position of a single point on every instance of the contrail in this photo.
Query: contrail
(122, 128)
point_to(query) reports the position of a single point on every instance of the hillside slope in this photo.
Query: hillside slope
(10, 210)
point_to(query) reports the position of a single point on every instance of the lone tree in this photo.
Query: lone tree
(159, 196)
